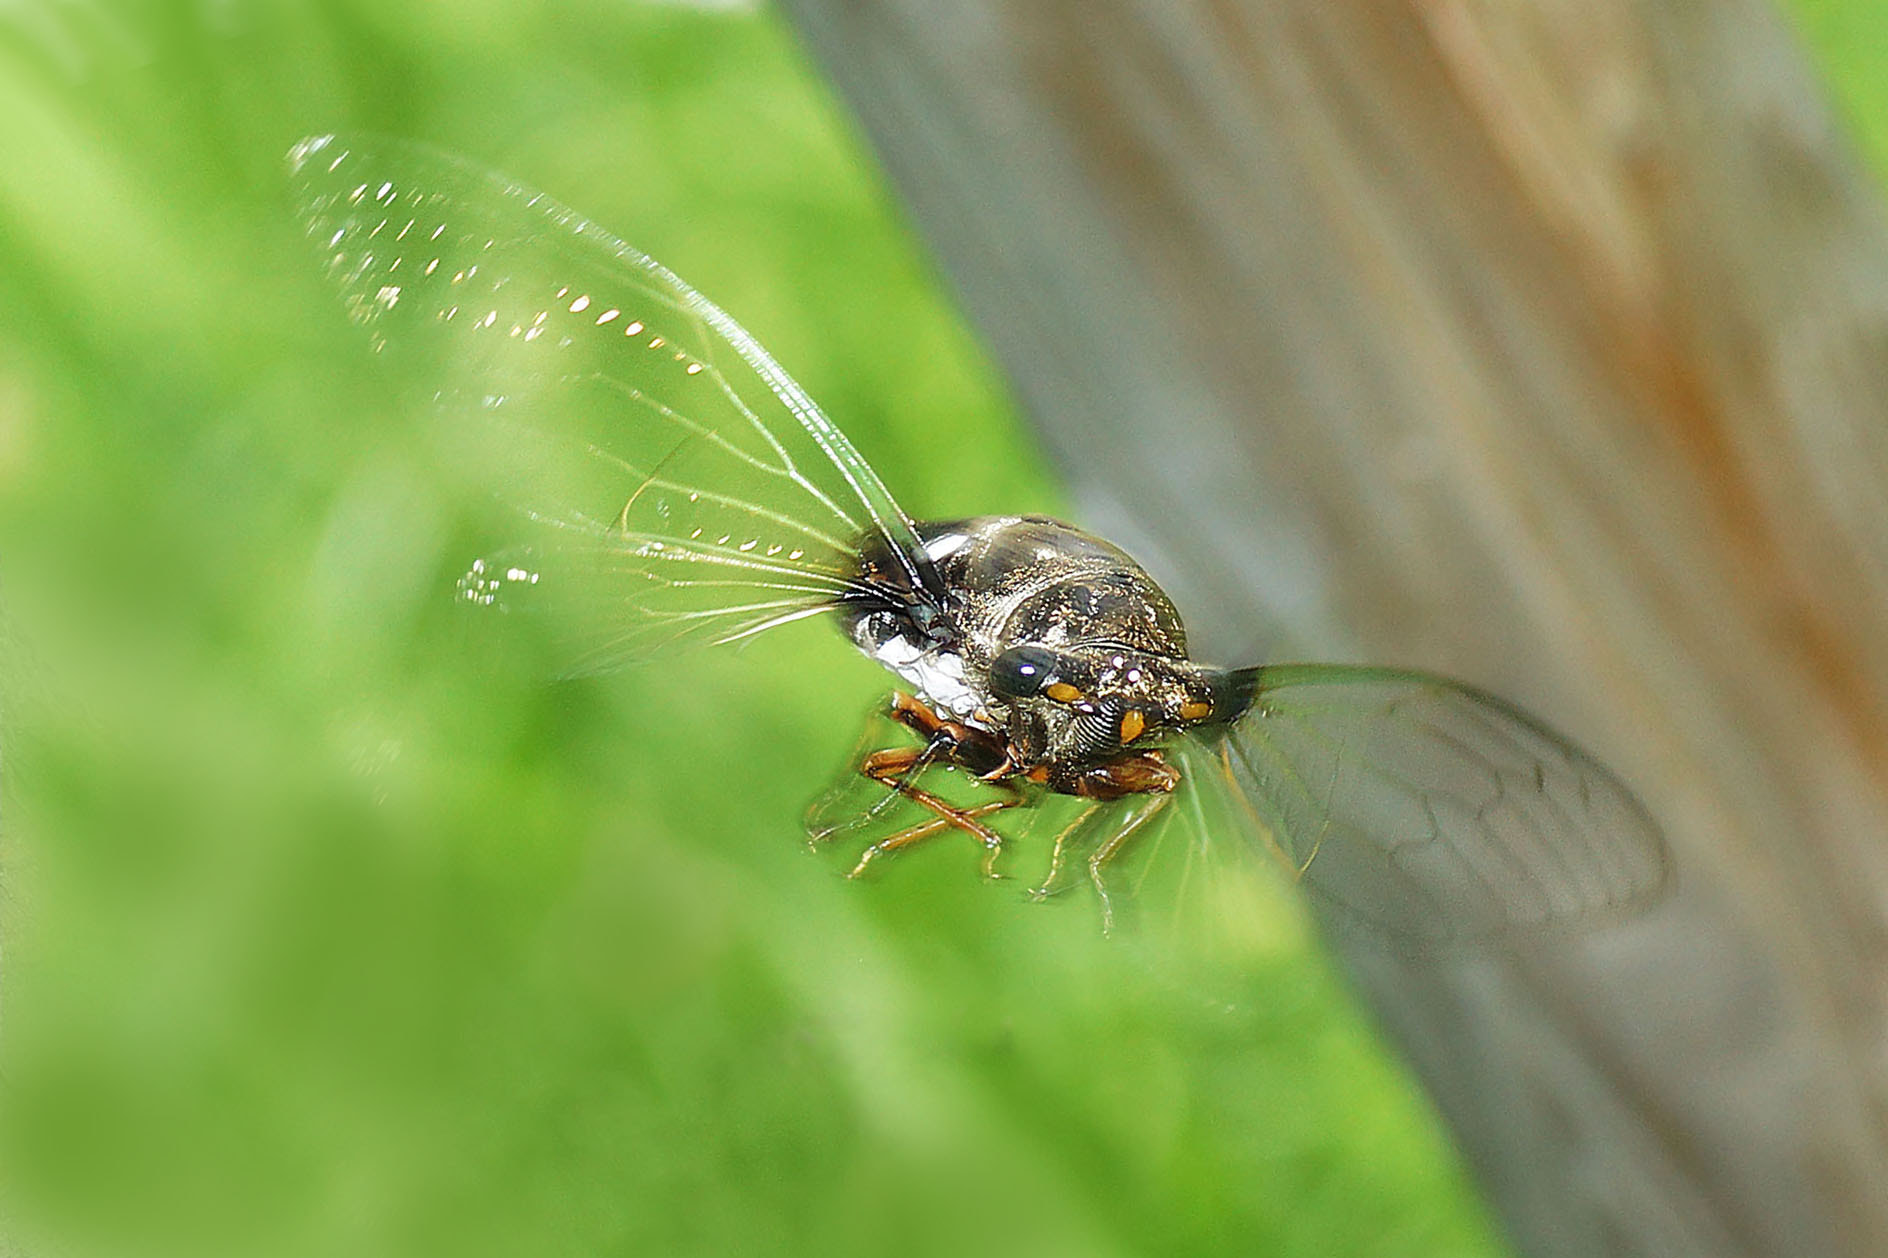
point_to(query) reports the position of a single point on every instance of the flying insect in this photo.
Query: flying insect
(689, 492)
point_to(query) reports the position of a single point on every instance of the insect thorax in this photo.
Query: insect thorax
(1009, 580)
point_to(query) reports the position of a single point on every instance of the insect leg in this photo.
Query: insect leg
(887, 763)
(945, 741)
(966, 819)
(900, 769)
(970, 748)
(1111, 848)
(1047, 887)
(892, 769)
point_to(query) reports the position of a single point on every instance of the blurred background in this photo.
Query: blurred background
(330, 927)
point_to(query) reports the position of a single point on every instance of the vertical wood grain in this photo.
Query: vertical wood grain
(1544, 344)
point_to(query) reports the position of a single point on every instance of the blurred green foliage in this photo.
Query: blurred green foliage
(1849, 41)
(330, 928)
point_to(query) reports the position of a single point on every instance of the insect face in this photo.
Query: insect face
(1078, 705)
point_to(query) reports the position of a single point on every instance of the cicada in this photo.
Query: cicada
(692, 493)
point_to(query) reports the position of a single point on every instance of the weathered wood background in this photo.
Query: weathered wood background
(1544, 344)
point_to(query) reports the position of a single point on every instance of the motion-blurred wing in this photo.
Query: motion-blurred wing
(1432, 811)
(685, 488)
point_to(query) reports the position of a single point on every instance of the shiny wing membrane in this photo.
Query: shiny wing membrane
(682, 488)
(1430, 811)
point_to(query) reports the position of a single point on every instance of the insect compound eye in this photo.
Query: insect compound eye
(1025, 671)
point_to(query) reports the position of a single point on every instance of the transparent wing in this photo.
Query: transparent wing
(1432, 811)
(683, 487)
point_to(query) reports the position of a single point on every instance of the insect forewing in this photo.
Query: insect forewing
(1428, 810)
(683, 487)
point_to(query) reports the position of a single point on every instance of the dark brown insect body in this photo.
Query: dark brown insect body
(1051, 657)
(1056, 657)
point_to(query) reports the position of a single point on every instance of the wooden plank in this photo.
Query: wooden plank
(1540, 344)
